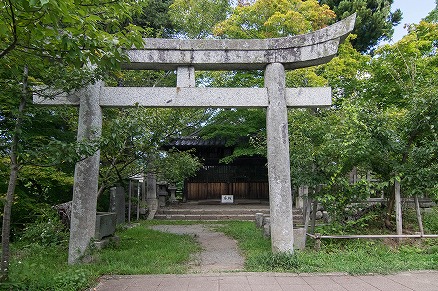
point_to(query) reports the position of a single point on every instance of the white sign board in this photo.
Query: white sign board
(227, 198)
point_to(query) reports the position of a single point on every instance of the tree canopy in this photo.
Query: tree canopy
(195, 18)
(374, 21)
(61, 45)
(267, 19)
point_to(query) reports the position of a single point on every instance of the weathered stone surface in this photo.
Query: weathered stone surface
(117, 203)
(151, 194)
(259, 217)
(83, 215)
(280, 196)
(185, 77)
(72, 99)
(199, 97)
(244, 54)
(105, 224)
(299, 238)
(308, 97)
(318, 215)
(267, 227)
(183, 97)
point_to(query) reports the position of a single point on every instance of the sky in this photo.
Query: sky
(413, 12)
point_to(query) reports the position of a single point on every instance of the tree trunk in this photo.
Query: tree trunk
(390, 207)
(13, 176)
(418, 212)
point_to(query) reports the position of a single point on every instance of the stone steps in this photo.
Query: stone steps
(223, 212)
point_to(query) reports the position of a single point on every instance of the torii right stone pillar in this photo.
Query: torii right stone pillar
(280, 196)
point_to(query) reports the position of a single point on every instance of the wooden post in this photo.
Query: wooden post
(398, 209)
(129, 201)
(313, 221)
(306, 218)
(417, 209)
(317, 241)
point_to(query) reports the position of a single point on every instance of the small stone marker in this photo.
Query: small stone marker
(117, 203)
(267, 227)
(259, 217)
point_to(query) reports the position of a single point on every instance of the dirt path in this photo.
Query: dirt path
(219, 252)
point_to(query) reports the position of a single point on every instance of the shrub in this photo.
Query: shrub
(431, 221)
(47, 230)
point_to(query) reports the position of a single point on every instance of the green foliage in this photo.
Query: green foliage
(145, 251)
(59, 29)
(239, 127)
(339, 194)
(131, 139)
(155, 19)
(195, 18)
(408, 100)
(55, 41)
(72, 280)
(346, 72)
(430, 221)
(374, 21)
(360, 219)
(140, 78)
(433, 15)
(38, 188)
(47, 230)
(38, 267)
(267, 19)
(386, 128)
(176, 166)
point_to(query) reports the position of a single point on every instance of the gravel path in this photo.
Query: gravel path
(219, 252)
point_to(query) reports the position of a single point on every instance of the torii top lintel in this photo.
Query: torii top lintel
(293, 52)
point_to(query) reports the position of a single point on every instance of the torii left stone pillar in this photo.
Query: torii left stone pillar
(85, 187)
(186, 56)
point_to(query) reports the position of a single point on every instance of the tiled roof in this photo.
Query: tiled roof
(196, 142)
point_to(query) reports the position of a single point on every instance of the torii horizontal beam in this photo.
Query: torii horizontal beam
(293, 52)
(196, 97)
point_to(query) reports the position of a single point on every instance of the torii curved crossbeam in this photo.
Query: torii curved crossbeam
(293, 52)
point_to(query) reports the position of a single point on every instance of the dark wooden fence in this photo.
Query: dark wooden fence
(244, 182)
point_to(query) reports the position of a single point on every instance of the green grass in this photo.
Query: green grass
(141, 251)
(145, 251)
(350, 256)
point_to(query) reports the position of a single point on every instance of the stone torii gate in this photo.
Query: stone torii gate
(185, 56)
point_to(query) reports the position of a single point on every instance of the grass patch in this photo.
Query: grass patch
(146, 251)
(350, 256)
(141, 251)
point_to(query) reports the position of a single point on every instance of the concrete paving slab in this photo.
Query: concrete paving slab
(243, 281)
(359, 287)
(290, 280)
(233, 287)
